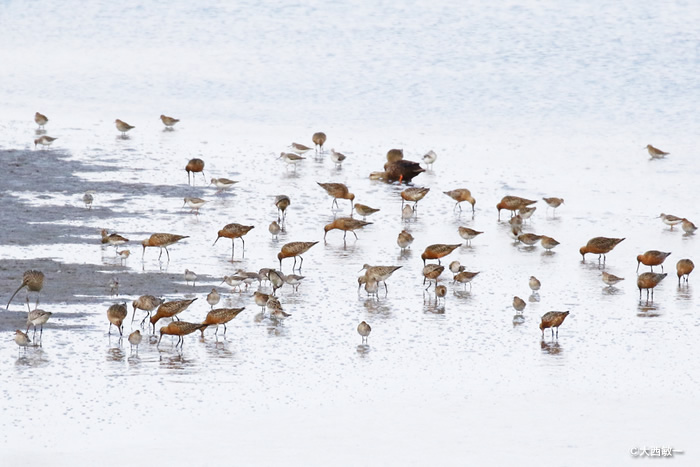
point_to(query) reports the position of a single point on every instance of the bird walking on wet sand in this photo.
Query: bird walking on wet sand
(294, 280)
(611, 279)
(299, 148)
(529, 239)
(363, 329)
(548, 243)
(274, 229)
(88, 199)
(512, 204)
(146, 303)
(338, 191)
(670, 219)
(220, 316)
(652, 258)
(235, 281)
(169, 122)
(260, 299)
(599, 246)
(170, 310)
(135, 339)
(38, 317)
(337, 157)
(526, 212)
(648, 281)
(364, 210)
(22, 340)
(122, 126)
(190, 276)
(404, 239)
(683, 268)
(465, 277)
(656, 153)
(282, 202)
(319, 139)
(234, 231)
(440, 292)
(44, 141)
(429, 159)
(292, 250)
(194, 166)
(194, 204)
(113, 239)
(460, 195)
(414, 194)
(123, 255)
(161, 241)
(33, 280)
(213, 298)
(688, 227)
(346, 224)
(437, 251)
(519, 304)
(534, 284)
(40, 119)
(179, 329)
(116, 314)
(291, 159)
(431, 272)
(222, 184)
(554, 203)
(468, 234)
(553, 319)
(379, 273)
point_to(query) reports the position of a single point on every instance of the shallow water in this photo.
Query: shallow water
(534, 101)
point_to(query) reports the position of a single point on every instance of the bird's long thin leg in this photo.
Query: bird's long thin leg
(167, 252)
(353, 232)
(301, 261)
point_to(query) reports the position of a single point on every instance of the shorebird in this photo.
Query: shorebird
(407, 212)
(534, 284)
(656, 153)
(234, 231)
(319, 140)
(652, 258)
(190, 276)
(44, 141)
(170, 310)
(123, 127)
(179, 329)
(33, 280)
(430, 158)
(116, 314)
(516, 221)
(162, 241)
(437, 251)
(649, 280)
(276, 279)
(113, 239)
(40, 119)
(22, 340)
(402, 170)
(213, 298)
(261, 299)
(279, 314)
(688, 227)
(146, 303)
(526, 212)
(468, 234)
(553, 319)
(548, 242)
(440, 292)
(455, 267)
(346, 224)
(194, 166)
(465, 277)
(123, 255)
(459, 195)
(364, 210)
(519, 304)
(169, 122)
(292, 250)
(599, 246)
(222, 184)
(371, 286)
(274, 229)
(611, 279)
(414, 194)
(338, 191)
(220, 316)
(363, 329)
(273, 303)
(529, 239)
(404, 239)
(235, 281)
(299, 148)
(513, 203)
(38, 317)
(194, 204)
(431, 272)
(88, 199)
(379, 273)
(554, 203)
(282, 202)
(294, 280)
(337, 157)
(670, 219)
(114, 287)
(291, 159)
(135, 339)
(393, 155)
(683, 268)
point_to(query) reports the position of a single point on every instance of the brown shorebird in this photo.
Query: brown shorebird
(379, 273)
(292, 250)
(319, 140)
(135, 339)
(468, 234)
(170, 310)
(431, 272)
(194, 204)
(213, 298)
(276, 279)
(529, 239)
(36, 318)
(299, 148)
(683, 268)
(162, 241)
(169, 122)
(455, 267)
(22, 340)
(113, 239)
(554, 203)
(404, 239)
(220, 316)
(146, 303)
(599, 246)
(180, 329)
(260, 299)
(414, 194)
(33, 280)
(346, 224)
(402, 170)
(534, 284)
(44, 141)
(274, 229)
(688, 227)
(437, 251)
(363, 329)
(513, 203)
(337, 157)
(393, 155)
(670, 219)
(526, 212)
(234, 231)
(291, 159)
(40, 119)
(364, 210)
(122, 126)
(656, 153)
(459, 195)
(193, 166)
(337, 191)
(652, 258)
(465, 277)
(429, 158)
(519, 304)
(222, 184)
(611, 279)
(553, 319)
(282, 202)
(440, 292)
(116, 314)
(649, 280)
(548, 242)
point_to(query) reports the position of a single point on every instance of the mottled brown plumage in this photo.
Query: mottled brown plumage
(337, 191)
(33, 280)
(599, 246)
(319, 140)
(193, 166)
(683, 268)
(652, 258)
(162, 241)
(116, 314)
(180, 329)
(414, 194)
(146, 303)
(346, 224)
(40, 119)
(648, 281)
(220, 316)
(437, 251)
(234, 231)
(170, 309)
(465, 277)
(553, 319)
(513, 203)
(459, 195)
(294, 249)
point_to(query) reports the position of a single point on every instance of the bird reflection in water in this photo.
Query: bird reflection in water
(116, 354)
(648, 310)
(363, 350)
(175, 361)
(552, 348)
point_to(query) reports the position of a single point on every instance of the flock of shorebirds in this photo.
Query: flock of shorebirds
(396, 169)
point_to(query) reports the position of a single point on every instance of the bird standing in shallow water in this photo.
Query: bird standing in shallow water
(599, 246)
(652, 258)
(688, 227)
(437, 251)
(234, 231)
(38, 317)
(468, 234)
(670, 219)
(346, 224)
(429, 159)
(512, 204)
(683, 268)
(338, 191)
(146, 303)
(220, 316)
(162, 241)
(554, 203)
(534, 284)
(123, 127)
(611, 279)
(44, 141)
(459, 195)
(135, 339)
(180, 329)
(648, 281)
(292, 250)
(319, 140)
(170, 310)
(519, 304)
(656, 153)
(22, 339)
(116, 314)
(414, 194)
(193, 166)
(33, 280)
(553, 319)
(190, 276)
(282, 202)
(169, 122)
(363, 329)
(404, 239)
(40, 119)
